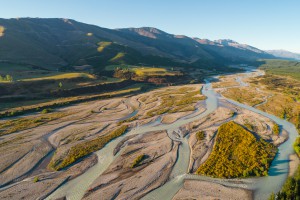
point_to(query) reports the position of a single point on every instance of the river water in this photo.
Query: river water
(263, 186)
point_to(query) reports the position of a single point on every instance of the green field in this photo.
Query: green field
(144, 71)
(62, 76)
(282, 67)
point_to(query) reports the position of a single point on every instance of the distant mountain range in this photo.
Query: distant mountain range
(284, 54)
(64, 43)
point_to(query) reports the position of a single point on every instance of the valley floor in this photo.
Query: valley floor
(146, 146)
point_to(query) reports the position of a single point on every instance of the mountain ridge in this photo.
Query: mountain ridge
(281, 53)
(55, 43)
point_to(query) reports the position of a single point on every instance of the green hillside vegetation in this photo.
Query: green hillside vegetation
(237, 153)
(282, 67)
(62, 76)
(118, 57)
(84, 148)
(151, 71)
(70, 43)
(137, 72)
(7, 78)
(103, 45)
(2, 29)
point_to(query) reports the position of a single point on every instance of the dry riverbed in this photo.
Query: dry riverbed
(142, 162)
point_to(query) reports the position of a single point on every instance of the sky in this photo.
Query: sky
(265, 24)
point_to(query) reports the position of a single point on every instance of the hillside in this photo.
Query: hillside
(284, 54)
(281, 67)
(60, 44)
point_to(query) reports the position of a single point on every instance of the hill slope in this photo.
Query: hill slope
(284, 54)
(62, 43)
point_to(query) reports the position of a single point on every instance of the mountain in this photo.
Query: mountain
(56, 43)
(284, 54)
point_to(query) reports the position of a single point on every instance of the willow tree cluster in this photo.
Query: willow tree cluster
(238, 153)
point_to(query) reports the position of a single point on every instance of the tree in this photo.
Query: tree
(272, 197)
(60, 85)
(123, 73)
(9, 78)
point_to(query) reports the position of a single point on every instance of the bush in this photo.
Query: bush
(276, 129)
(237, 153)
(82, 149)
(297, 146)
(36, 179)
(138, 160)
(200, 135)
(46, 110)
(290, 189)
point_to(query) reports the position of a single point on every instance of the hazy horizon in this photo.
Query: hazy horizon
(267, 25)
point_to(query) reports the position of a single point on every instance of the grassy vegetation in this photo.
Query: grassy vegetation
(280, 84)
(244, 95)
(225, 82)
(138, 160)
(46, 110)
(140, 71)
(15, 125)
(62, 76)
(82, 149)
(151, 71)
(180, 100)
(297, 146)
(64, 102)
(118, 57)
(276, 129)
(131, 119)
(7, 78)
(282, 67)
(200, 135)
(237, 153)
(290, 189)
(285, 101)
(2, 29)
(36, 179)
(113, 67)
(103, 45)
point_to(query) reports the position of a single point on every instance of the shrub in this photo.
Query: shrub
(290, 189)
(237, 153)
(82, 149)
(276, 129)
(297, 146)
(200, 135)
(46, 110)
(138, 160)
(36, 179)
